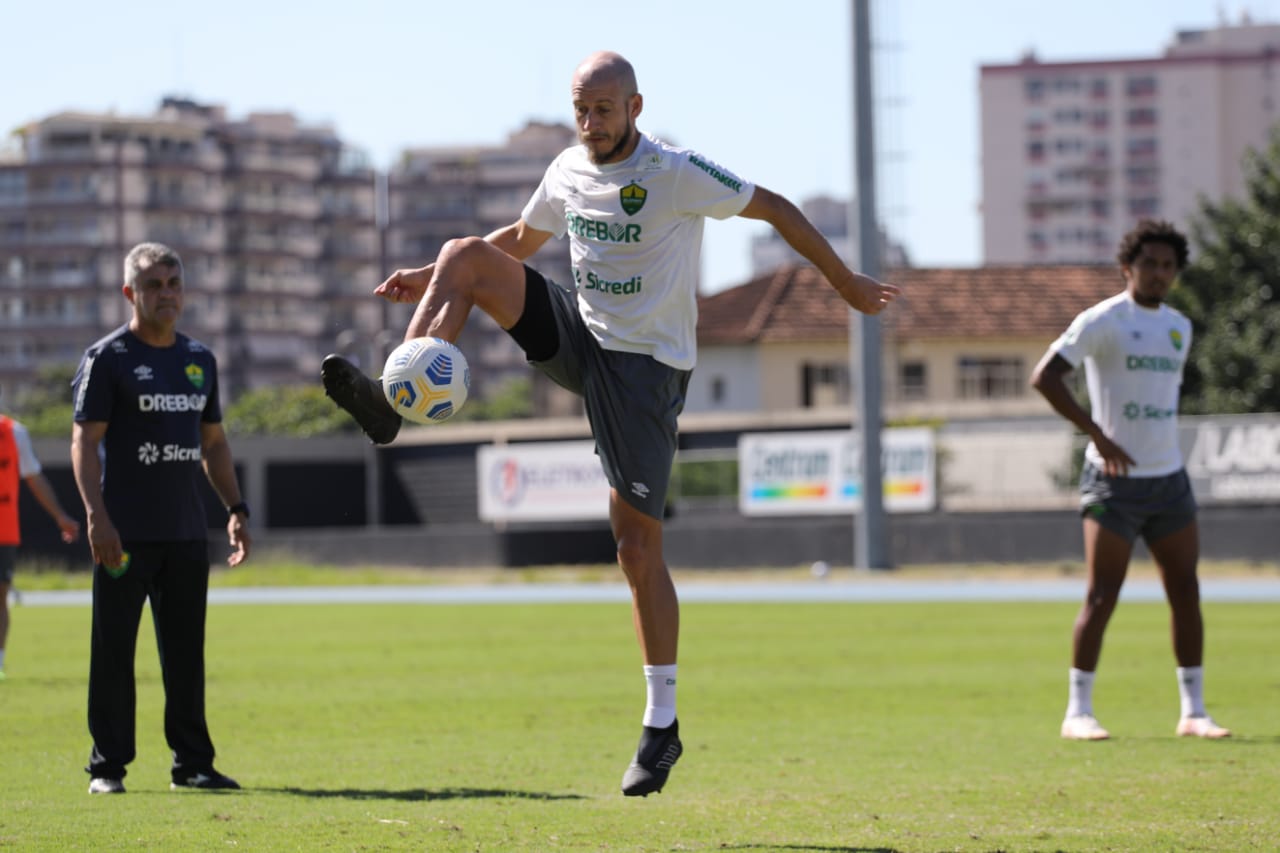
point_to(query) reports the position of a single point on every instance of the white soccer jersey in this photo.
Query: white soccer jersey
(1133, 359)
(635, 240)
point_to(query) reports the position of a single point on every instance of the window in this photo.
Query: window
(824, 385)
(1141, 117)
(1145, 206)
(1136, 87)
(913, 379)
(990, 378)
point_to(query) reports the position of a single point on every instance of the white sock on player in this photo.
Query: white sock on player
(660, 708)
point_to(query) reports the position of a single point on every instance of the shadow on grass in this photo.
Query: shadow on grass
(416, 795)
(820, 848)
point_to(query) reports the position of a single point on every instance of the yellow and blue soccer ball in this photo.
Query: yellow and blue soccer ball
(426, 380)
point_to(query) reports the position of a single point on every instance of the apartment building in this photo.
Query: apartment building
(436, 194)
(284, 229)
(1073, 153)
(274, 220)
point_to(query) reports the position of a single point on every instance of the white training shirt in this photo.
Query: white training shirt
(1133, 359)
(28, 464)
(635, 240)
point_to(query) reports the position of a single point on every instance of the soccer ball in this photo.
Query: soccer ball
(426, 380)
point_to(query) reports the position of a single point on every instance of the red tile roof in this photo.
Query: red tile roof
(795, 303)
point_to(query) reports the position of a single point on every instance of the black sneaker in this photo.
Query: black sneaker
(657, 754)
(361, 397)
(103, 785)
(206, 780)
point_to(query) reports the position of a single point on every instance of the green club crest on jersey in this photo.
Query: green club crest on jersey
(633, 196)
(195, 373)
(1175, 337)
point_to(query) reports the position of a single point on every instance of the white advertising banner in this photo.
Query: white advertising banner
(551, 481)
(1233, 459)
(820, 473)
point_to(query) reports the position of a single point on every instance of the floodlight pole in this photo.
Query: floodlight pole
(871, 546)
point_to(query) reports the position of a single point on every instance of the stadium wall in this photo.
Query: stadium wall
(1003, 497)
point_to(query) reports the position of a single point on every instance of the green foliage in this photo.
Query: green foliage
(296, 410)
(826, 726)
(509, 400)
(705, 477)
(1231, 293)
(45, 409)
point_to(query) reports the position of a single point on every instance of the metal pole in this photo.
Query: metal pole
(377, 350)
(871, 546)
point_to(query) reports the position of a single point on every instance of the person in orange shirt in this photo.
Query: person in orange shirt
(18, 463)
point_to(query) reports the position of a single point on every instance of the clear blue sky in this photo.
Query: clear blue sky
(763, 88)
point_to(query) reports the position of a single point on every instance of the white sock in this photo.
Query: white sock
(1191, 690)
(1080, 695)
(660, 708)
(1, 658)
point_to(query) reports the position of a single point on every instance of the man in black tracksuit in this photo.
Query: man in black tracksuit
(147, 429)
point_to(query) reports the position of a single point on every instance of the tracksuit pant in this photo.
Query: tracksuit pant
(174, 576)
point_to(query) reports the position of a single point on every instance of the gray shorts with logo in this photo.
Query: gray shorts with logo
(1150, 507)
(632, 403)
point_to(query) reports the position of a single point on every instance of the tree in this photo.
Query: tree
(45, 408)
(512, 399)
(1231, 293)
(294, 410)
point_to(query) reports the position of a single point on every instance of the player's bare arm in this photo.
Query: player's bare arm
(104, 539)
(219, 467)
(1049, 378)
(861, 292)
(517, 239)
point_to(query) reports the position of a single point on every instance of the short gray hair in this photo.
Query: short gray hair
(146, 255)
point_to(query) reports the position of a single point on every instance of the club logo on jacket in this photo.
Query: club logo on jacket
(195, 373)
(1175, 337)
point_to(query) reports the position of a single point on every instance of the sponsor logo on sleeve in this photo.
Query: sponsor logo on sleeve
(728, 180)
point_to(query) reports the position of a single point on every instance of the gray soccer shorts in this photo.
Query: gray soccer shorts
(632, 400)
(1150, 507)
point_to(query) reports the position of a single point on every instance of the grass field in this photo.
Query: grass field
(807, 727)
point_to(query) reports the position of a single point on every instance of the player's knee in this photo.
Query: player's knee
(1102, 599)
(466, 250)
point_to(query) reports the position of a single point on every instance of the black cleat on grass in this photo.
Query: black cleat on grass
(206, 780)
(361, 397)
(658, 752)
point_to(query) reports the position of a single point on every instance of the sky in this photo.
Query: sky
(762, 88)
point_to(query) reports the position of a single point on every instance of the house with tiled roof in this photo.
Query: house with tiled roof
(958, 343)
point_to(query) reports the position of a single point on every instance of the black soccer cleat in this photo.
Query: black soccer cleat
(658, 752)
(361, 397)
(205, 780)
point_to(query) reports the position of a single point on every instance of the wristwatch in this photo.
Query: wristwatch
(241, 508)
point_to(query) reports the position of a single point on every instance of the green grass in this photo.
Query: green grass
(810, 727)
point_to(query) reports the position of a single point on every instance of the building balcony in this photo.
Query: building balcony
(58, 279)
(292, 284)
(299, 323)
(304, 168)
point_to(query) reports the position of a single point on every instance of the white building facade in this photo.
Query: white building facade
(1074, 153)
